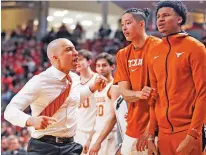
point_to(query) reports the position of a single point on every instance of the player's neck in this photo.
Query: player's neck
(139, 41)
(86, 74)
(109, 78)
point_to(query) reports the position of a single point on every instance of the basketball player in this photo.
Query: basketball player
(105, 63)
(117, 115)
(133, 79)
(87, 109)
(177, 72)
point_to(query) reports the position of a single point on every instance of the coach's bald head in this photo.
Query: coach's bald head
(61, 53)
(55, 47)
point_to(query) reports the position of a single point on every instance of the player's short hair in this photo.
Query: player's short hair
(178, 7)
(139, 14)
(110, 59)
(86, 54)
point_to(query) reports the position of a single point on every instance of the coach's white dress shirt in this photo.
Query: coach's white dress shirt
(41, 90)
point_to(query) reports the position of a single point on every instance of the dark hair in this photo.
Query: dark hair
(86, 54)
(178, 7)
(110, 59)
(139, 14)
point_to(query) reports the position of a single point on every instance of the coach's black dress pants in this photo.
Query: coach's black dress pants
(39, 147)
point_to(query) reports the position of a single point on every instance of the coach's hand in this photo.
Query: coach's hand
(40, 122)
(99, 83)
(152, 149)
(145, 93)
(95, 149)
(186, 146)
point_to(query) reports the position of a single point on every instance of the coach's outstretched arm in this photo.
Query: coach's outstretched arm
(25, 97)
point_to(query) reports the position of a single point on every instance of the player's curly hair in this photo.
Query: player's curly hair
(178, 7)
(139, 14)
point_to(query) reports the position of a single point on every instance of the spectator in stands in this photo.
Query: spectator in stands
(119, 34)
(17, 33)
(49, 37)
(203, 40)
(78, 31)
(63, 32)
(104, 32)
(3, 35)
(4, 144)
(14, 147)
(28, 32)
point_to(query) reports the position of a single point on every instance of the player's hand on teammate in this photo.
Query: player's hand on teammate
(86, 147)
(145, 93)
(40, 122)
(99, 84)
(152, 149)
(142, 144)
(95, 149)
(186, 146)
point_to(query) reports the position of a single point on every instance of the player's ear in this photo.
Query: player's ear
(89, 62)
(179, 21)
(113, 67)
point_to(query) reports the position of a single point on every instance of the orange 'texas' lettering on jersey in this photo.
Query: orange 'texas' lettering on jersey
(135, 62)
(85, 104)
(100, 99)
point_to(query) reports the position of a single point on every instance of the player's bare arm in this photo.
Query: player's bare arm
(87, 145)
(131, 95)
(114, 93)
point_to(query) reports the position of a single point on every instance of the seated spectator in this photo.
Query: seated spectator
(4, 144)
(63, 32)
(78, 31)
(49, 37)
(3, 35)
(104, 32)
(119, 34)
(14, 147)
(17, 33)
(29, 30)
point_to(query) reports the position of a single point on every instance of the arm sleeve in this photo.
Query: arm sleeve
(122, 73)
(198, 65)
(152, 99)
(27, 95)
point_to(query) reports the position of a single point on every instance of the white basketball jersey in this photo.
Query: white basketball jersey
(87, 111)
(121, 110)
(103, 107)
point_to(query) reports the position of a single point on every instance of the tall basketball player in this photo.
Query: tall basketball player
(105, 64)
(87, 109)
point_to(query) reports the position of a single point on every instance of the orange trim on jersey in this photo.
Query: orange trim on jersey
(87, 80)
(109, 96)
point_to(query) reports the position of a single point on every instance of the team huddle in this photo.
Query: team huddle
(154, 104)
